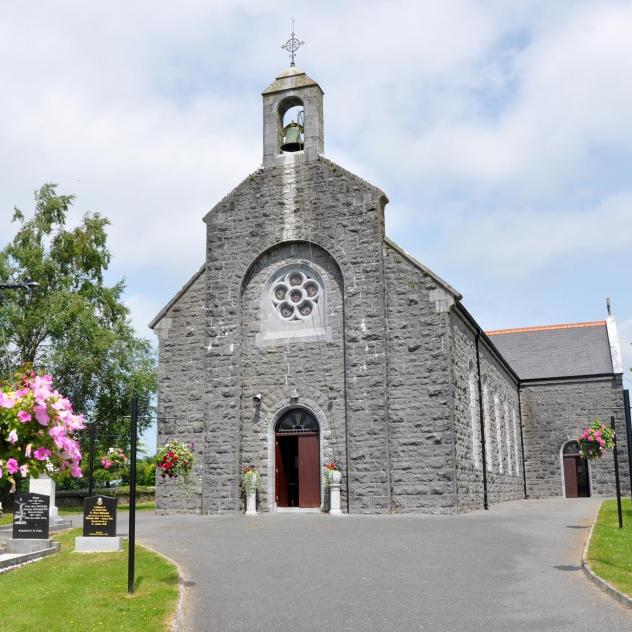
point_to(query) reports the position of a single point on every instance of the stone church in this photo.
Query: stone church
(309, 336)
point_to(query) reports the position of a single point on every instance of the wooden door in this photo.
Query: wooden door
(308, 471)
(570, 476)
(280, 478)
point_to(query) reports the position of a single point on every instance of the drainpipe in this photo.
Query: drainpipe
(524, 471)
(481, 414)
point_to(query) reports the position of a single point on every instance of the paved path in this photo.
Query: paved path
(515, 567)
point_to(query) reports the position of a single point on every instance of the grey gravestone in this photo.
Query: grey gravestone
(30, 517)
(99, 516)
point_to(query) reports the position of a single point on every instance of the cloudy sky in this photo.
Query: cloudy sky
(501, 132)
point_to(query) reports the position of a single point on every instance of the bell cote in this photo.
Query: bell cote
(292, 119)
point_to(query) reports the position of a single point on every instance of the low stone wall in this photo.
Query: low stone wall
(74, 497)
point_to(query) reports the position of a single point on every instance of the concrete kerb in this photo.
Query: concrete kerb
(177, 625)
(598, 581)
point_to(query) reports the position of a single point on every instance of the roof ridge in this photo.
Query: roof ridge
(515, 330)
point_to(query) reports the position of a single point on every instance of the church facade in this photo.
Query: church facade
(308, 336)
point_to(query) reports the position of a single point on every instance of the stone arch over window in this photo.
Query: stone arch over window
(292, 292)
(475, 427)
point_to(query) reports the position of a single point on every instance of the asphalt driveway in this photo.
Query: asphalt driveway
(515, 567)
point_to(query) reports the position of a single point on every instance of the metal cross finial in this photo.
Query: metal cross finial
(292, 45)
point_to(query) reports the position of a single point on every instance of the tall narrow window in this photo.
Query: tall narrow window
(508, 435)
(499, 434)
(476, 429)
(515, 433)
(488, 438)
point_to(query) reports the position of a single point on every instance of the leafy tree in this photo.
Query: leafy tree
(74, 325)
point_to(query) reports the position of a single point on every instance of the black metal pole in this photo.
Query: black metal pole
(91, 460)
(132, 499)
(628, 427)
(616, 475)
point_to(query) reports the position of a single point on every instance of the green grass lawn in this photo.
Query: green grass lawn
(610, 551)
(6, 518)
(88, 591)
(79, 508)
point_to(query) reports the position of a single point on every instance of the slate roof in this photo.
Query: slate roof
(576, 349)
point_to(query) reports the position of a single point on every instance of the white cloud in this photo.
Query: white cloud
(514, 245)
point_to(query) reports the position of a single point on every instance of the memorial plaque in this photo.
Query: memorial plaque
(99, 516)
(30, 516)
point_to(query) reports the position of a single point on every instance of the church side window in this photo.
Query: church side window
(476, 444)
(499, 434)
(486, 414)
(515, 434)
(508, 436)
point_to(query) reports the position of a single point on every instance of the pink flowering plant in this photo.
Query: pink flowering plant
(114, 460)
(596, 440)
(37, 430)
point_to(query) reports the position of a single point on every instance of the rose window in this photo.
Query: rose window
(295, 295)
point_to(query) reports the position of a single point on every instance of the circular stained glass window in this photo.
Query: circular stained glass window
(295, 295)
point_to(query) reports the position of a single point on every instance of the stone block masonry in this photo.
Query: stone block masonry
(555, 412)
(321, 208)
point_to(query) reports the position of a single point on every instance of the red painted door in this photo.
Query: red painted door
(308, 471)
(280, 477)
(570, 476)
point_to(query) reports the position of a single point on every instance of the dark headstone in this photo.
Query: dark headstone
(30, 516)
(99, 516)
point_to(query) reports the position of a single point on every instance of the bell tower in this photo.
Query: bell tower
(285, 140)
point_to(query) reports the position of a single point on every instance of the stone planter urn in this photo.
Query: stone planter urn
(334, 477)
(251, 503)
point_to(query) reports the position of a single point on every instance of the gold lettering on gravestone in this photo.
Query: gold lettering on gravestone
(99, 516)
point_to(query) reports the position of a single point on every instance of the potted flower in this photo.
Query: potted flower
(333, 473)
(174, 459)
(596, 440)
(250, 483)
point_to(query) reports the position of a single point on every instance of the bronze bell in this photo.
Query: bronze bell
(292, 137)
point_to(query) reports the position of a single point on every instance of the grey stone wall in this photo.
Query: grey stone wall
(422, 461)
(555, 412)
(468, 445)
(321, 204)
(507, 484)
(180, 393)
(314, 368)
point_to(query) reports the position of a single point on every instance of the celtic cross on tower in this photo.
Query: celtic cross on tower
(292, 45)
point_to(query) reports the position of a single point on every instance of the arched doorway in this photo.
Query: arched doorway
(297, 460)
(575, 472)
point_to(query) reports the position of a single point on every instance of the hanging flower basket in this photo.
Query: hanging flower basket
(174, 459)
(37, 430)
(114, 459)
(596, 440)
